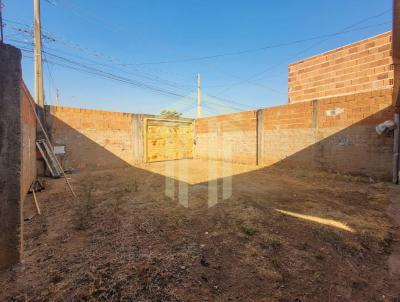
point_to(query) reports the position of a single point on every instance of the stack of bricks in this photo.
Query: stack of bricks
(363, 66)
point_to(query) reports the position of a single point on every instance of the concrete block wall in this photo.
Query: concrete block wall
(366, 65)
(17, 153)
(235, 131)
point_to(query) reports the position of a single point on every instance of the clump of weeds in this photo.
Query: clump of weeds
(83, 212)
(272, 244)
(118, 202)
(131, 187)
(275, 261)
(248, 230)
(275, 243)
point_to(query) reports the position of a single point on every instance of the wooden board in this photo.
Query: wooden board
(168, 139)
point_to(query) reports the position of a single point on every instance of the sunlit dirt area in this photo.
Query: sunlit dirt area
(283, 235)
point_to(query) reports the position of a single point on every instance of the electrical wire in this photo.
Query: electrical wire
(96, 71)
(253, 50)
(78, 66)
(258, 74)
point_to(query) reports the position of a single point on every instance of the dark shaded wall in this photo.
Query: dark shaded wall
(118, 133)
(17, 153)
(113, 131)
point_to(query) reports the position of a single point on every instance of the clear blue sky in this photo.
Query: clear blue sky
(108, 35)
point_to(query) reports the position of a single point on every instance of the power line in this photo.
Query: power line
(51, 38)
(218, 69)
(253, 50)
(244, 51)
(151, 77)
(256, 75)
(51, 78)
(1, 22)
(78, 66)
(226, 103)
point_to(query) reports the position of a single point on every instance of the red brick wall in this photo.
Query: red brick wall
(236, 131)
(362, 66)
(17, 154)
(28, 137)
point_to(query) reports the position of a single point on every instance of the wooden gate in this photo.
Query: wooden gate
(168, 139)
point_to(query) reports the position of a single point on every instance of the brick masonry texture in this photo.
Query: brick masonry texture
(97, 139)
(366, 65)
(28, 130)
(94, 138)
(336, 101)
(336, 133)
(235, 131)
(17, 153)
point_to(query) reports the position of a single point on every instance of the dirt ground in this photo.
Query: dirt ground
(283, 235)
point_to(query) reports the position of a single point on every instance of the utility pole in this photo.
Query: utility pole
(198, 96)
(57, 97)
(396, 88)
(1, 22)
(39, 94)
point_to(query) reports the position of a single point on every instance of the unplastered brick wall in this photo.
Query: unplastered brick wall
(228, 137)
(28, 137)
(287, 130)
(336, 133)
(17, 153)
(359, 67)
(96, 138)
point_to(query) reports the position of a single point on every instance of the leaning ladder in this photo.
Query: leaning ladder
(49, 157)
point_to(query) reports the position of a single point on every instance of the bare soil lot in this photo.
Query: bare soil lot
(284, 234)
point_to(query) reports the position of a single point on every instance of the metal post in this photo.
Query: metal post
(198, 96)
(396, 87)
(39, 95)
(396, 149)
(57, 97)
(1, 23)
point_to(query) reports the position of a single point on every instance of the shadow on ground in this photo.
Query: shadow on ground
(283, 233)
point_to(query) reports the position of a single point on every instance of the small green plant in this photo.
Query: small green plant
(131, 187)
(170, 114)
(275, 262)
(83, 212)
(275, 243)
(248, 230)
(118, 202)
